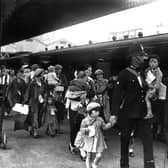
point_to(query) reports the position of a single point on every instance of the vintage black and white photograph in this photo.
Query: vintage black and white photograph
(83, 84)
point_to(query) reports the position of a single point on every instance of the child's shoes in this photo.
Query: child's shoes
(71, 149)
(148, 116)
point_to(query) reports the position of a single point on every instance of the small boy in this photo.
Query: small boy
(52, 78)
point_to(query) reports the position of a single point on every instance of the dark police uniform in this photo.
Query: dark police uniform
(166, 115)
(130, 108)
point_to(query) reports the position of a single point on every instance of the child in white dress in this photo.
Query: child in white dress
(92, 126)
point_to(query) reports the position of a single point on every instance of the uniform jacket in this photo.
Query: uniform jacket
(129, 96)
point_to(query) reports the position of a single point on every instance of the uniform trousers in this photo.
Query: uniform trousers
(166, 123)
(143, 128)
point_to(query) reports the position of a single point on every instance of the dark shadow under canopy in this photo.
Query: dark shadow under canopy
(22, 19)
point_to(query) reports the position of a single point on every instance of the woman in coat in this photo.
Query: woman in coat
(35, 96)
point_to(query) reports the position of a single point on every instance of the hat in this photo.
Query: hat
(137, 49)
(2, 67)
(99, 72)
(38, 72)
(92, 106)
(35, 66)
(25, 66)
(51, 68)
(58, 66)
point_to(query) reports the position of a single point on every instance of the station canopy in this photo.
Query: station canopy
(22, 19)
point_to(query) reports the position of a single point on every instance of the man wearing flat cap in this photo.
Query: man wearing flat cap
(60, 95)
(129, 107)
(58, 67)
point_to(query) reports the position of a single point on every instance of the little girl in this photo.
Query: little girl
(154, 81)
(92, 126)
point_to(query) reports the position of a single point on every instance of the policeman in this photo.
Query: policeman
(166, 116)
(129, 107)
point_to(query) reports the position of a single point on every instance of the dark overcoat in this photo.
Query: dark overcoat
(32, 98)
(129, 97)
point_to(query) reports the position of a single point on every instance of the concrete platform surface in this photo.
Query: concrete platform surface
(46, 152)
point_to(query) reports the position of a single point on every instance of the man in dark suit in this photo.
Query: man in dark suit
(129, 107)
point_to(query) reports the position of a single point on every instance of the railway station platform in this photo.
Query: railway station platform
(45, 152)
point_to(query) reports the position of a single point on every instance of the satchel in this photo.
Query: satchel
(92, 131)
(20, 108)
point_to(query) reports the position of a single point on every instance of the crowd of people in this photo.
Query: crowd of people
(92, 104)
(31, 85)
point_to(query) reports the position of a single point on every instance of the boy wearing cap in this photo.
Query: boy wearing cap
(101, 86)
(63, 83)
(129, 108)
(62, 78)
